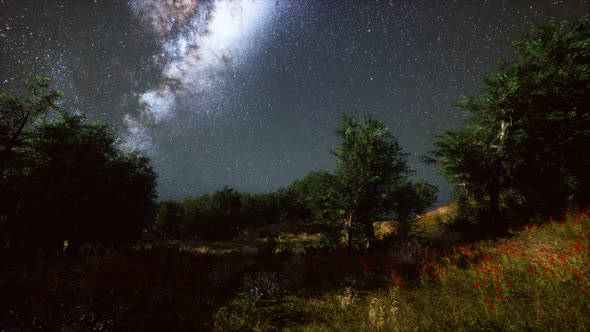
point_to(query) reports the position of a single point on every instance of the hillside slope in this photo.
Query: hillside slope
(538, 279)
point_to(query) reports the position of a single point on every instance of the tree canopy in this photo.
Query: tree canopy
(371, 169)
(67, 179)
(529, 131)
(19, 113)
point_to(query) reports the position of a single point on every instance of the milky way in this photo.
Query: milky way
(199, 43)
(248, 93)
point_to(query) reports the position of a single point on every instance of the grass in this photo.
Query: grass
(536, 279)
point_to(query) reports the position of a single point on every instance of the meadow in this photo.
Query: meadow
(536, 278)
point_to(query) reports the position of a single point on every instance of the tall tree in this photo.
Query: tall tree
(529, 131)
(544, 98)
(66, 179)
(473, 158)
(369, 162)
(77, 185)
(19, 113)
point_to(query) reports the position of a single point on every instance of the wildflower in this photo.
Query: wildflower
(498, 288)
(492, 307)
(475, 285)
(487, 299)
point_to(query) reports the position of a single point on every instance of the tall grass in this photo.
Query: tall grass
(538, 279)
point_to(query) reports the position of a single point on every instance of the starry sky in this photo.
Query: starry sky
(248, 93)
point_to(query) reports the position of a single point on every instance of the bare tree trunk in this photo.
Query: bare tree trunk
(349, 239)
(10, 144)
(494, 207)
(369, 233)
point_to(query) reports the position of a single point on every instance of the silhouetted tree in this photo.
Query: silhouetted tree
(528, 135)
(211, 217)
(71, 182)
(473, 157)
(316, 199)
(407, 199)
(226, 204)
(316, 196)
(18, 114)
(77, 182)
(261, 209)
(170, 219)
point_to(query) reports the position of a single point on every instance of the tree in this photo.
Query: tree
(545, 100)
(473, 157)
(78, 183)
(316, 196)
(170, 219)
(316, 200)
(369, 163)
(226, 204)
(260, 209)
(528, 134)
(407, 199)
(19, 113)
(70, 181)
(207, 216)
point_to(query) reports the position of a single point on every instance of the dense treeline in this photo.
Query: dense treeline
(312, 204)
(371, 181)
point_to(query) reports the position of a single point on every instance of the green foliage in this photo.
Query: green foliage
(69, 181)
(261, 209)
(316, 195)
(18, 114)
(407, 199)
(316, 199)
(371, 181)
(213, 217)
(528, 134)
(170, 218)
(536, 280)
(372, 176)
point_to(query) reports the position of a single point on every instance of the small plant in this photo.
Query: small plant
(346, 298)
(263, 285)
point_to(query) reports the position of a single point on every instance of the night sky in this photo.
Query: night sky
(248, 93)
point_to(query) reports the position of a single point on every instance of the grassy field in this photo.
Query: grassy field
(536, 279)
